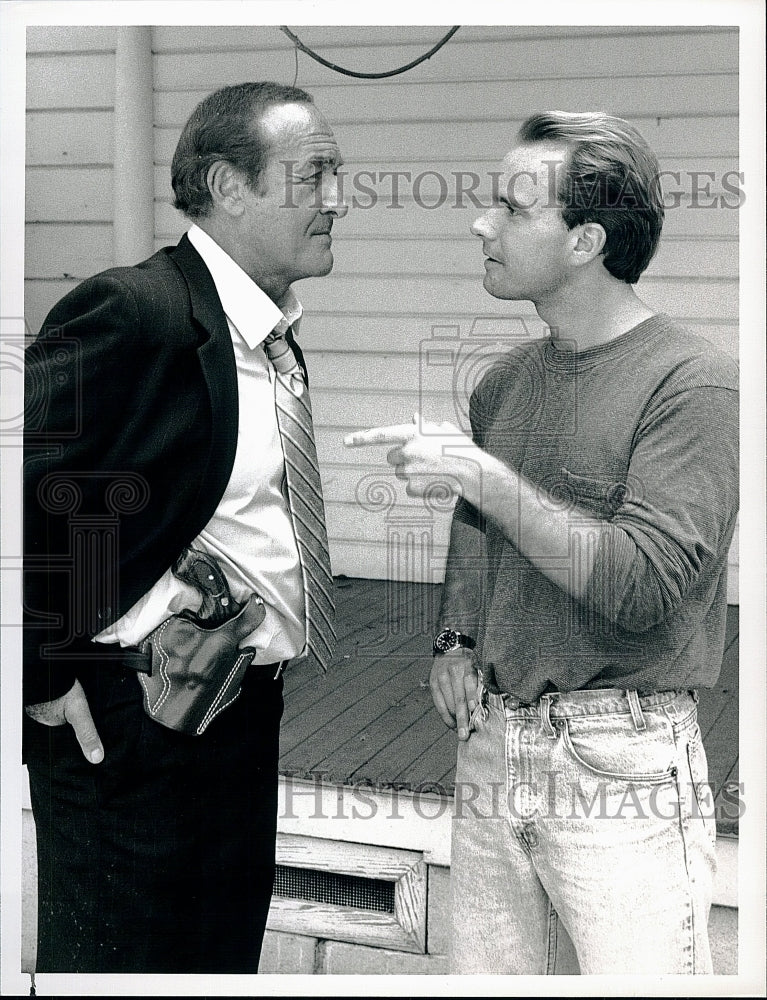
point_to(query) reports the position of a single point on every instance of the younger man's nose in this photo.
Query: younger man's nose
(481, 227)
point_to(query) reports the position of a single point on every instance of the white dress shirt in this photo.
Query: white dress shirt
(251, 532)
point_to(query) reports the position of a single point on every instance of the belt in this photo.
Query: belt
(136, 659)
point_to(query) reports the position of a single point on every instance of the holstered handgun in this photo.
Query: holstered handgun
(197, 666)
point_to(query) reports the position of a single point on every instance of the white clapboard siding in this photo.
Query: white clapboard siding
(68, 39)
(71, 80)
(233, 38)
(67, 138)
(40, 297)
(694, 135)
(446, 102)
(70, 152)
(58, 250)
(500, 57)
(408, 274)
(69, 194)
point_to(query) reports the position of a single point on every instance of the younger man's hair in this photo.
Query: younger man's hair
(611, 176)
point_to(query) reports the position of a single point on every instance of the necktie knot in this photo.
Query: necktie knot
(280, 353)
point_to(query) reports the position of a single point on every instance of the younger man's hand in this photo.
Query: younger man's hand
(453, 682)
(425, 455)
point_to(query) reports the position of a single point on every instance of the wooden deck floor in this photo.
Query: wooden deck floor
(371, 720)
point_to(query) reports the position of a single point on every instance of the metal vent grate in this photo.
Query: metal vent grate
(333, 887)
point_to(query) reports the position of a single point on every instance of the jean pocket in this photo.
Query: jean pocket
(614, 750)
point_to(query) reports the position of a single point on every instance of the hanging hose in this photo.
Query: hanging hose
(368, 76)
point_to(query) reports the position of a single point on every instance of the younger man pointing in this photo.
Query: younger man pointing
(585, 593)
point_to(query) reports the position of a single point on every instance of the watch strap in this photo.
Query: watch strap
(449, 639)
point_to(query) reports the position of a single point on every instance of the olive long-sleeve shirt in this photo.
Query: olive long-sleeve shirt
(641, 432)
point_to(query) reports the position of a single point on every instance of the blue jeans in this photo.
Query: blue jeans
(583, 837)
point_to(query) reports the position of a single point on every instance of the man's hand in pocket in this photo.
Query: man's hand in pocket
(71, 709)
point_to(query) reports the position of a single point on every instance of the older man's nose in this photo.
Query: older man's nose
(332, 199)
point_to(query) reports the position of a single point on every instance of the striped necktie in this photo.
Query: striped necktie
(304, 493)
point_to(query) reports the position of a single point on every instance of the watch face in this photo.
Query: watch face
(446, 640)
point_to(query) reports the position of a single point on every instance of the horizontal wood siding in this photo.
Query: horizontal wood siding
(70, 152)
(407, 270)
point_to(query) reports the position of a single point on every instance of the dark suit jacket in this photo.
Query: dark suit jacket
(131, 430)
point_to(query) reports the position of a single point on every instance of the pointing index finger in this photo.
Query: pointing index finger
(393, 434)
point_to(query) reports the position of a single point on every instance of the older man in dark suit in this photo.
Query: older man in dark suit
(155, 435)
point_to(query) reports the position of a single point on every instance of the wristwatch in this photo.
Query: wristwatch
(450, 638)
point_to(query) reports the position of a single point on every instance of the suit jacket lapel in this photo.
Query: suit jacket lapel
(216, 359)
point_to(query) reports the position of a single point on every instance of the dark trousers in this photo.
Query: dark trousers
(161, 858)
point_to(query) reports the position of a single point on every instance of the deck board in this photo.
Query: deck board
(345, 677)
(370, 719)
(368, 629)
(399, 762)
(354, 757)
(333, 724)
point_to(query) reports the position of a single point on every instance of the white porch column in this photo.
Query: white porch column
(134, 150)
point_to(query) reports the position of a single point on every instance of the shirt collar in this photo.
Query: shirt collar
(247, 307)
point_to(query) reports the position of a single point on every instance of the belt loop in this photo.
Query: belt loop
(636, 711)
(545, 700)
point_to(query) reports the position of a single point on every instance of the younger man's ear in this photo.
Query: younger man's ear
(590, 242)
(226, 184)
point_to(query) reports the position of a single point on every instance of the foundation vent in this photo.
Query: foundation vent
(334, 888)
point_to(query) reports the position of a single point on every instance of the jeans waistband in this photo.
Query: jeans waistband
(590, 702)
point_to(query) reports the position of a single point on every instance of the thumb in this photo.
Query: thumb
(78, 715)
(250, 617)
